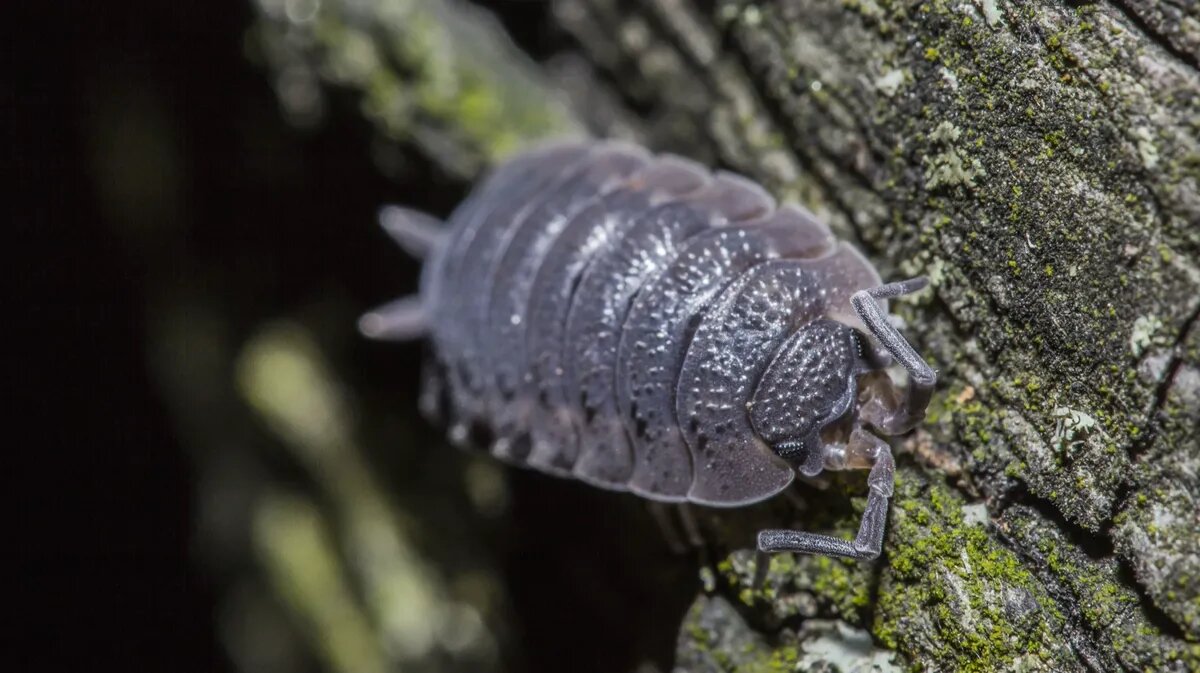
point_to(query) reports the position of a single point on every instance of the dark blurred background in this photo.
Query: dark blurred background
(165, 212)
(150, 144)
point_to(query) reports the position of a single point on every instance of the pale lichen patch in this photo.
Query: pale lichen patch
(975, 515)
(950, 78)
(889, 83)
(991, 12)
(847, 648)
(1142, 336)
(1147, 150)
(950, 167)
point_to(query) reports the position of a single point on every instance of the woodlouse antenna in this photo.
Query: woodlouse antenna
(921, 377)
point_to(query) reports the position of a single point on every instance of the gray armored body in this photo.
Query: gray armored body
(639, 323)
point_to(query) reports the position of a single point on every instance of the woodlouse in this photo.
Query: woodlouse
(642, 324)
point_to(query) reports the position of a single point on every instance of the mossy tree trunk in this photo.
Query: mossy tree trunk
(1040, 162)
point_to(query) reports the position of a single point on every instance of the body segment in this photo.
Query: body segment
(593, 233)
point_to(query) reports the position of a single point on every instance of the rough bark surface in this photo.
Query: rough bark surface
(1040, 162)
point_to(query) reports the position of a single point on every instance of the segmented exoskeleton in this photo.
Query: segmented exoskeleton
(641, 324)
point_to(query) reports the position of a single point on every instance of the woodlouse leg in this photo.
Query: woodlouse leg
(762, 563)
(401, 320)
(412, 230)
(432, 401)
(920, 376)
(862, 450)
(662, 516)
(691, 528)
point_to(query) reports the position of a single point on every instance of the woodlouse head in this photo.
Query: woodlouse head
(821, 384)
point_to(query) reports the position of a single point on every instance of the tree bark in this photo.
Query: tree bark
(1040, 162)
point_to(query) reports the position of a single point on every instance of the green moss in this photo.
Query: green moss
(989, 611)
(480, 99)
(715, 638)
(841, 582)
(784, 659)
(840, 587)
(1107, 607)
